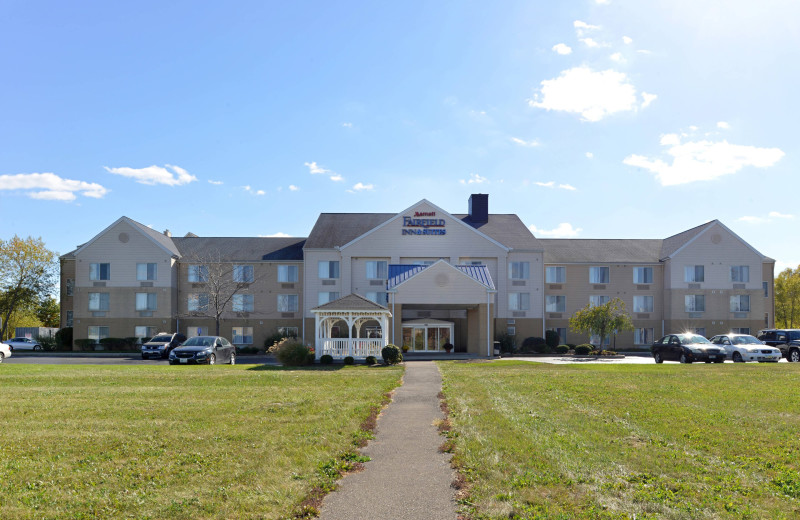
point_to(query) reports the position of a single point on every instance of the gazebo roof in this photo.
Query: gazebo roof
(352, 302)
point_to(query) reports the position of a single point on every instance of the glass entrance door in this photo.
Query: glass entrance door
(426, 338)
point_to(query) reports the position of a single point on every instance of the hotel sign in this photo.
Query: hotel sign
(423, 223)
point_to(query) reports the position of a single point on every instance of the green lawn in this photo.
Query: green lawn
(614, 441)
(176, 442)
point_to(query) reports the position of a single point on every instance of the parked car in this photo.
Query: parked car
(686, 348)
(162, 344)
(23, 344)
(744, 347)
(5, 351)
(785, 340)
(203, 350)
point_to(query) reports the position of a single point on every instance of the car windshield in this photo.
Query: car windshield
(692, 338)
(199, 341)
(794, 335)
(744, 340)
(161, 339)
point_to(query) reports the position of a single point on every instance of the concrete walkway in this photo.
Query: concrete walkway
(407, 477)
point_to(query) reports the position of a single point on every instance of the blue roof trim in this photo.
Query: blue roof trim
(399, 273)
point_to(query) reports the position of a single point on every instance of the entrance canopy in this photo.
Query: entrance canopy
(350, 326)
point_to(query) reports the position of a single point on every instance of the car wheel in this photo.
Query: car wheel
(37, 347)
(233, 358)
(737, 358)
(144, 357)
(658, 358)
(212, 359)
(794, 356)
(2, 357)
(684, 358)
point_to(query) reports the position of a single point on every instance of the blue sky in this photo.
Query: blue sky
(589, 119)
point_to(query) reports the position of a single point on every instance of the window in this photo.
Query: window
(519, 270)
(700, 330)
(695, 302)
(643, 303)
(741, 330)
(98, 301)
(594, 339)
(381, 298)
(287, 303)
(642, 336)
(765, 285)
(243, 274)
(598, 275)
(198, 273)
(146, 301)
(144, 332)
(242, 335)
(198, 302)
(740, 303)
(71, 286)
(287, 273)
(288, 332)
(69, 319)
(146, 271)
(740, 273)
(243, 302)
(519, 301)
(596, 299)
(326, 297)
(377, 269)
(642, 275)
(694, 273)
(511, 330)
(99, 271)
(329, 269)
(98, 333)
(557, 274)
(556, 303)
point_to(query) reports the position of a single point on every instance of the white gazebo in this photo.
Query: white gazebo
(366, 324)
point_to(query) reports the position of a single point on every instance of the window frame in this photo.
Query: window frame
(519, 270)
(519, 301)
(103, 302)
(241, 271)
(647, 298)
(374, 268)
(97, 274)
(331, 267)
(739, 298)
(243, 335)
(595, 270)
(197, 273)
(198, 297)
(643, 269)
(694, 278)
(149, 297)
(292, 302)
(245, 303)
(147, 274)
(694, 300)
(286, 271)
(560, 269)
(740, 271)
(560, 303)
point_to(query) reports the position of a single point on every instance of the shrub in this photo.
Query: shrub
(552, 338)
(562, 349)
(291, 352)
(64, 338)
(541, 348)
(85, 344)
(584, 349)
(506, 342)
(371, 360)
(447, 347)
(118, 344)
(349, 360)
(272, 340)
(604, 353)
(529, 344)
(326, 359)
(391, 355)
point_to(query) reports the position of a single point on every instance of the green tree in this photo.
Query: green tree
(49, 312)
(787, 298)
(602, 320)
(28, 272)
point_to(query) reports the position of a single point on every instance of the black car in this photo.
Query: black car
(686, 348)
(162, 344)
(208, 350)
(786, 340)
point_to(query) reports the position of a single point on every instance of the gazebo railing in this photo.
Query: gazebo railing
(356, 347)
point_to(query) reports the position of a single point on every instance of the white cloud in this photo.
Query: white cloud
(567, 187)
(581, 26)
(753, 220)
(347, 125)
(249, 189)
(363, 187)
(592, 94)
(647, 99)
(644, 51)
(49, 186)
(563, 230)
(336, 177)
(764, 220)
(292, 187)
(153, 175)
(552, 184)
(546, 184)
(261, 192)
(775, 214)
(626, 40)
(530, 144)
(723, 125)
(314, 169)
(474, 179)
(617, 56)
(603, 2)
(703, 160)
(276, 235)
(589, 155)
(215, 183)
(562, 49)
(592, 43)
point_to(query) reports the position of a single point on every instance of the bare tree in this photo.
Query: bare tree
(219, 279)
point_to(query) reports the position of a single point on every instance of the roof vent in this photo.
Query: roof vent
(168, 233)
(479, 207)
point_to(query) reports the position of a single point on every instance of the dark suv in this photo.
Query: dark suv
(787, 340)
(162, 344)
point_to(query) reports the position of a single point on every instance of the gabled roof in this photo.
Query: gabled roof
(507, 229)
(400, 273)
(160, 239)
(577, 251)
(242, 249)
(352, 302)
(675, 242)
